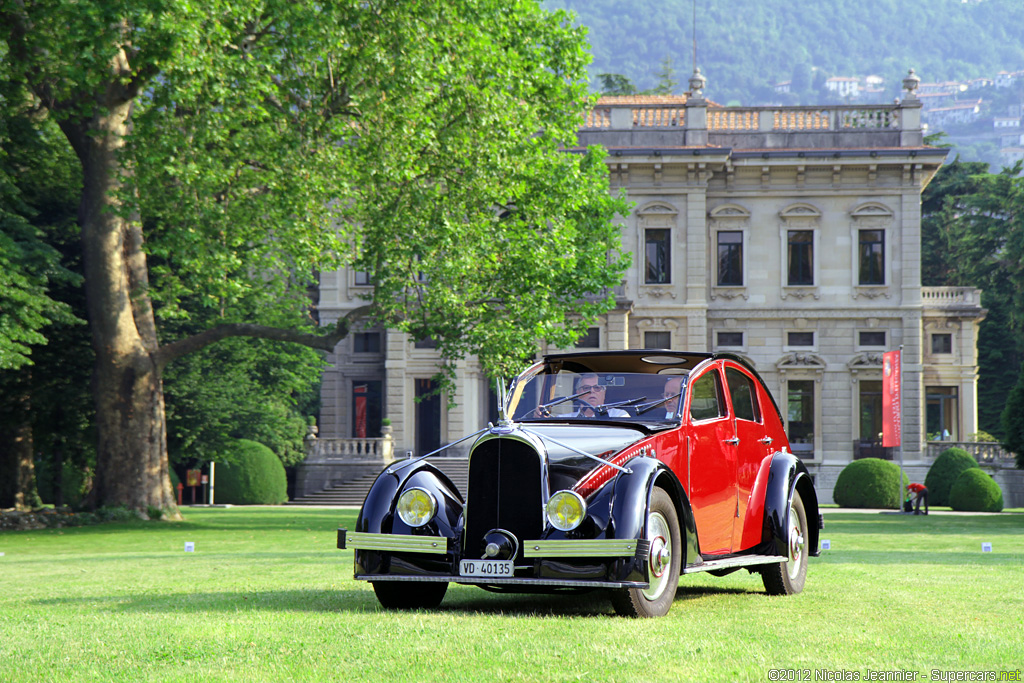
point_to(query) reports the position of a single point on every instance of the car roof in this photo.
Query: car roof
(653, 361)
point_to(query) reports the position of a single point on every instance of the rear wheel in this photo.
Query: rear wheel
(410, 594)
(788, 577)
(663, 562)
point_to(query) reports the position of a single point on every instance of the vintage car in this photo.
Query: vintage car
(615, 470)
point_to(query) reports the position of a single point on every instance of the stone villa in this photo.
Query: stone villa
(788, 235)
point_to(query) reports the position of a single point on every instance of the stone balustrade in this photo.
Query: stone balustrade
(723, 119)
(950, 297)
(354, 451)
(985, 452)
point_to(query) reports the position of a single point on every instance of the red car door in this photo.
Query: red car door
(752, 448)
(712, 461)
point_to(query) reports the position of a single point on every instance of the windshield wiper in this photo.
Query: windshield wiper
(543, 409)
(605, 407)
(641, 411)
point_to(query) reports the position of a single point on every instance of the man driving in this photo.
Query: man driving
(595, 392)
(673, 390)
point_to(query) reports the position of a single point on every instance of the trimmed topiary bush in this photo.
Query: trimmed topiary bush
(254, 476)
(976, 491)
(944, 471)
(869, 483)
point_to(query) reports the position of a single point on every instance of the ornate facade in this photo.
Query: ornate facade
(788, 235)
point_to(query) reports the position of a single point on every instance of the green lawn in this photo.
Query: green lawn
(267, 597)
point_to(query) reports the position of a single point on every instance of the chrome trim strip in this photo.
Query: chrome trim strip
(740, 561)
(437, 545)
(482, 580)
(581, 548)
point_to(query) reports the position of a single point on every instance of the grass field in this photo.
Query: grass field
(267, 597)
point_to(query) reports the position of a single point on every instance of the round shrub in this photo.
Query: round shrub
(944, 471)
(975, 491)
(869, 483)
(253, 476)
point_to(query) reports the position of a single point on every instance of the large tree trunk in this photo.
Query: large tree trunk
(132, 466)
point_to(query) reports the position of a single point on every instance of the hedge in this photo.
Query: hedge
(975, 491)
(254, 475)
(944, 471)
(869, 483)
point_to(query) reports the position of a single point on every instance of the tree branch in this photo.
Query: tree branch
(324, 342)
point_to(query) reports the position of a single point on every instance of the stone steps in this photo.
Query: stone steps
(353, 492)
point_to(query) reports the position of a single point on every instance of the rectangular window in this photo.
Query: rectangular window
(367, 409)
(730, 339)
(942, 343)
(657, 340)
(362, 278)
(871, 411)
(799, 339)
(591, 340)
(872, 257)
(872, 339)
(657, 254)
(730, 259)
(801, 257)
(942, 418)
(427, 343)
(366, 342)
(800, 416)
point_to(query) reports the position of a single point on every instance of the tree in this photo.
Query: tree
(229, 151)
(667, 81)
(1013, 420)
(616, 84)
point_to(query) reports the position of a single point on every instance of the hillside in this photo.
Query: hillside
(746, 46)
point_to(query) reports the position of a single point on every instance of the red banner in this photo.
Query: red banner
(892, 395)
(360, 392)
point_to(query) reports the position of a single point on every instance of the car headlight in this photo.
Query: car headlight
(566, 510)
(417, 506)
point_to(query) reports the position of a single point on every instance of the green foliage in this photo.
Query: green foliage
(616, 84)
(944, 472)
(1013, 421)
(251, 475)
(869, 483)
(241, 389)
(975, 491)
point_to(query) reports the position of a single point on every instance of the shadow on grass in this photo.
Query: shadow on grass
(460, 599)
(953, 559)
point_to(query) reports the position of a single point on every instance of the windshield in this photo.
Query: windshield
(543, 394)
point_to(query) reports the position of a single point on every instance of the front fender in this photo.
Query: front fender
(378, 515)
(787, 476)
(632, 498)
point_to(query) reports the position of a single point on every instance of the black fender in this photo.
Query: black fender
(632, 499)
(786, 476)
(378, 515)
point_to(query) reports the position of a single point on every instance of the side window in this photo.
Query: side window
(744, 395)
(706, 397)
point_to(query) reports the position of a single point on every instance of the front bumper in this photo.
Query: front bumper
(570, 563)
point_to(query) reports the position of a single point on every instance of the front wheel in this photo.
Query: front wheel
(788, 577)
(663, 562)
(410, 594)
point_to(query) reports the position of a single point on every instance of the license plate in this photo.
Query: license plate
(486, 568)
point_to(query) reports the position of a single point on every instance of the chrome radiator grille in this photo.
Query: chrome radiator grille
(505, 492)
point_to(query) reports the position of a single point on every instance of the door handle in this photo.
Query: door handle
(734, 441)
(767, 441)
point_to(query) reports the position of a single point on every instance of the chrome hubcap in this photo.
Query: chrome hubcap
(660, 556)
(796, 544)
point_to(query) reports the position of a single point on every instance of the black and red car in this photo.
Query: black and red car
(614, 470)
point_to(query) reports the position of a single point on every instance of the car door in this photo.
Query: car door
(752, 444)
(712, 461)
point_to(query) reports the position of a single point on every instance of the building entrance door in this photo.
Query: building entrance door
(428, 416)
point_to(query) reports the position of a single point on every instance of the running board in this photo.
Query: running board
(730, 562)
